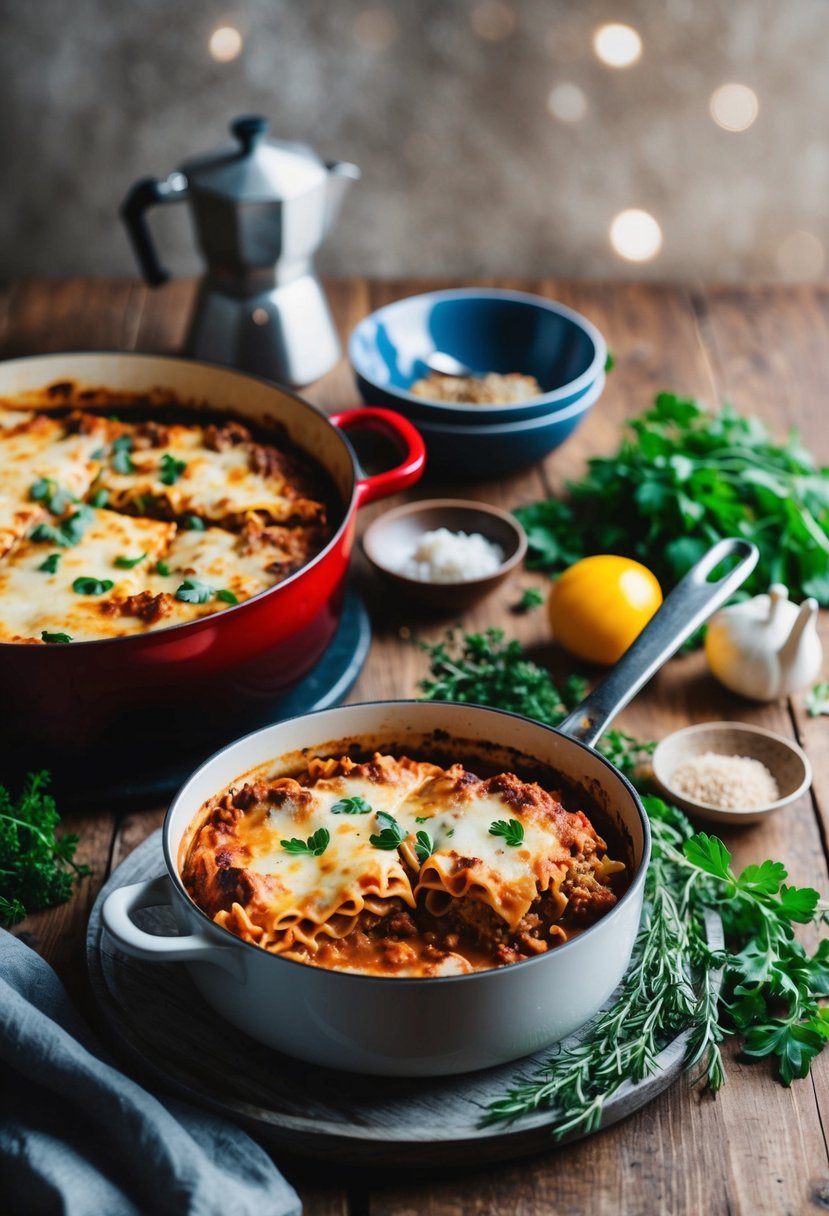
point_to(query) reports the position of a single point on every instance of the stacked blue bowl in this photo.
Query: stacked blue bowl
(487, 330)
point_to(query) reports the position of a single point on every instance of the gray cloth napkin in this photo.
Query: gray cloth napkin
(78, 1138)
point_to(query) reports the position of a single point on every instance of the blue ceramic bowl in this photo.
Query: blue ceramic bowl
(468, 453)
(489, 331)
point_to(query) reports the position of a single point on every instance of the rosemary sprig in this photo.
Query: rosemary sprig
(658, 999)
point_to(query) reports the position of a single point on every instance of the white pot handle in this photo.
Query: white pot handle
(192, 947)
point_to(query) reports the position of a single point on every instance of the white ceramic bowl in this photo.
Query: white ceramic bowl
(786, 762)
(395, 1026)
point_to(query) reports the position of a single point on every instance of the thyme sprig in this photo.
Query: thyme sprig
(484, 669)
(762, 985)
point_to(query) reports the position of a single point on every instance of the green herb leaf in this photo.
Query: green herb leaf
(314, 846)
(391, 836)
(531, 598)
(128, 563)
(799, 904)
(227, 597)
(74, 527)
(50, 565)
(193, 523)
(122, 461)
(423, 846)
(817, 699)
(92, 586)
(37, 866)
(42, 489)
(709, 854)
(66, 533)
(49, 493)
(171, 469)
(162, 568)
(43, 533)
(795, 1045)
(766, 879)
(355, 805)
(55, 639)
(99, 499)
(194, 591)
(512, 831)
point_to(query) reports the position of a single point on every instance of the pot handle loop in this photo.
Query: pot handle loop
(401, 432)
(688, 606)
(143, 195)
(192, 947)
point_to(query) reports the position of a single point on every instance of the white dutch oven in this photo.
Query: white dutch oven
(409, 1027)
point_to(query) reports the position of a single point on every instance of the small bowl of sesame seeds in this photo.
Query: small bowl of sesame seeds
(730, 772)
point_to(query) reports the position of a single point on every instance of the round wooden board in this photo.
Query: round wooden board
(178, 1043)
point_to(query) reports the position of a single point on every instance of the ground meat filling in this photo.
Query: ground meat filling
(219, 438)
(472, 927)
(146, 606)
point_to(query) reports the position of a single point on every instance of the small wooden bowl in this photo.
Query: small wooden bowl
(788, 764)
(391, 537)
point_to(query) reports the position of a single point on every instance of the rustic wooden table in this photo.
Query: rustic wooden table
(757, 1147)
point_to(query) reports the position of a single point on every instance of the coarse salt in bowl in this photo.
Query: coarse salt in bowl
(444, 554)
(452, 557)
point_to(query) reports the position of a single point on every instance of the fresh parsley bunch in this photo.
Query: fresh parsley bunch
(763, 985)
(37, 867)
(682, 479)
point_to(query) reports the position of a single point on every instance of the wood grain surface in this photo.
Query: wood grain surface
(757, 1147)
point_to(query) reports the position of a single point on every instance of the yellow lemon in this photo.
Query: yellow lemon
(601, 604)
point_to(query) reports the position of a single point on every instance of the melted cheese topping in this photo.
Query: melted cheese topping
(215, 485)
(40, 448)
(86, 498)
(289, 863)
(34, 600)
(16, 519)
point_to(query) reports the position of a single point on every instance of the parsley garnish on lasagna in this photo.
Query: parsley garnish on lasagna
(109, 527)
(290, 864)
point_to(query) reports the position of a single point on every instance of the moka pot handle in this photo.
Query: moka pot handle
(143, 195)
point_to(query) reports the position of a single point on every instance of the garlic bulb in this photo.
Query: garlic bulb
(766, 647)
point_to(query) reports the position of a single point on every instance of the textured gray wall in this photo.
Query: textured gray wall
(443, 103)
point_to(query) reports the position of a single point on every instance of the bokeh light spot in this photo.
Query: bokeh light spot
(492, 20)
(567, 102)
(225, 44)
(635, 235)
(734, 107)
(619, 46)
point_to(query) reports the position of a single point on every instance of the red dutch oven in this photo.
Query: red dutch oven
(66, 699)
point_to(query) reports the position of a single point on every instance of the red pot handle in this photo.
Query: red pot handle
(401, 432)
